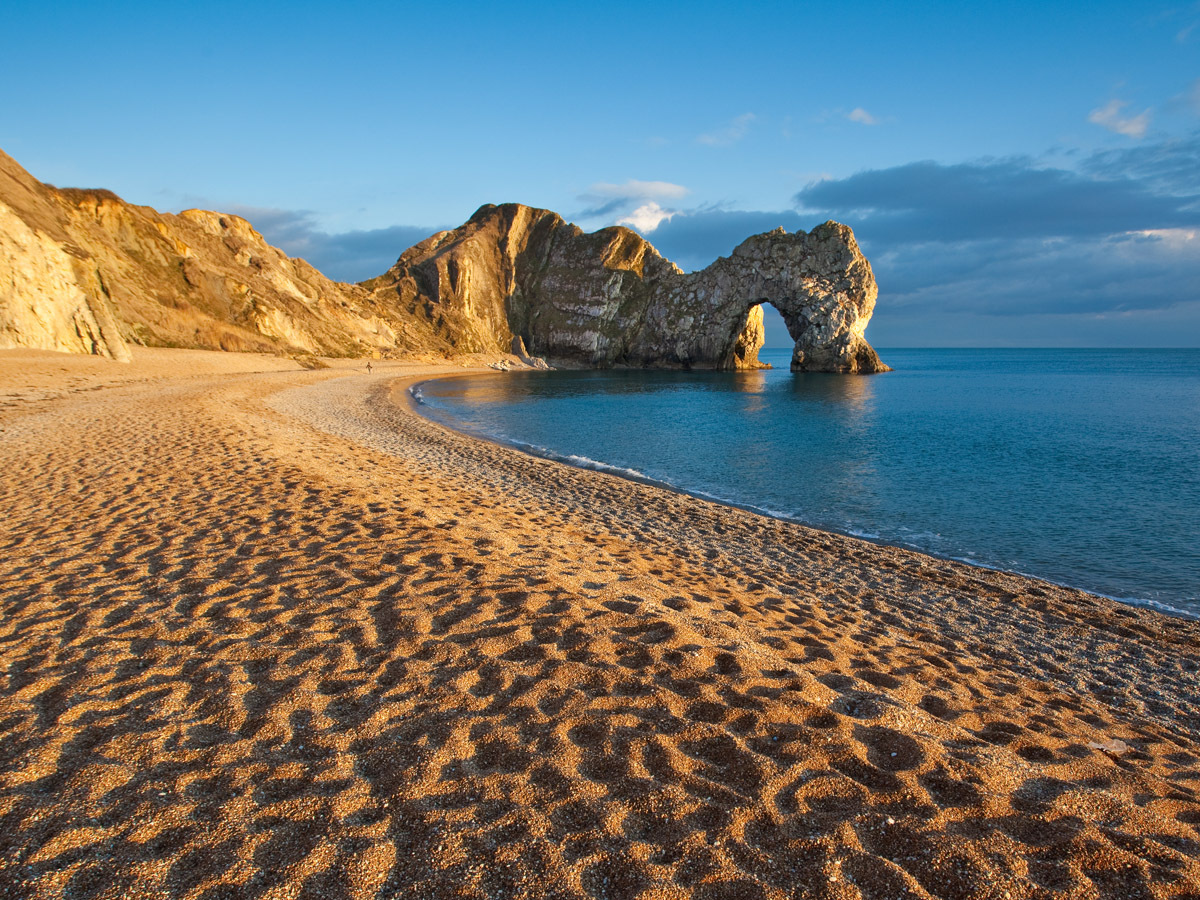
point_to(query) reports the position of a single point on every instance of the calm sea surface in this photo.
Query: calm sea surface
(1078, 466)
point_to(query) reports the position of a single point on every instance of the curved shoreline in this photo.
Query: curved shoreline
(419, 407)
(270, 632)
(1037, 616)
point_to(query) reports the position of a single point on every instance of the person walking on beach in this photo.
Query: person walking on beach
(368, 367)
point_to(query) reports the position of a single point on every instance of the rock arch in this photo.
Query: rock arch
(820, 283)
(608, 298)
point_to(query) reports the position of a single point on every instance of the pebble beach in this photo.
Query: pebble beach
(265, 631)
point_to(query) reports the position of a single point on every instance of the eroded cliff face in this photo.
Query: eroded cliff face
(82, 271)
(608, 298)
(49, 298)
(85, 272)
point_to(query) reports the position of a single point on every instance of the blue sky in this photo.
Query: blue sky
(1019, 175)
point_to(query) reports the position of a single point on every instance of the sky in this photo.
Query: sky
(1018, 174)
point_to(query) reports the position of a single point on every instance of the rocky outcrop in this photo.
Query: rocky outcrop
(608, 298)
(533, 362)
(83, 271)
(48, 297)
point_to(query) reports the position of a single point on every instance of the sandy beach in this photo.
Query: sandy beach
(267, 632)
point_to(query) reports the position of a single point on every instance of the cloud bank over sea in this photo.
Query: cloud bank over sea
(1109, 247)
(1098, 248)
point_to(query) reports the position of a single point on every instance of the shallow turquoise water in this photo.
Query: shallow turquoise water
(1077, 466)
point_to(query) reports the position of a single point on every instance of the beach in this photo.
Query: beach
(267, 632)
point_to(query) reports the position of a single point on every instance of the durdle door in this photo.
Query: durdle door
(609, 298)
(83, 271)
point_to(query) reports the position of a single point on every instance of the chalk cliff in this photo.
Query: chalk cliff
(82, 271)
(608, 298)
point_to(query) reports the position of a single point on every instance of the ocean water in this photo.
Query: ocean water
(1081, 467)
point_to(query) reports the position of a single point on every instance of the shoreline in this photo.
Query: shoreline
(388, 406)
(587, 464)
(268, 632)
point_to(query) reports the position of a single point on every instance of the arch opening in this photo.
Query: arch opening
(784, 326)
(764, 328)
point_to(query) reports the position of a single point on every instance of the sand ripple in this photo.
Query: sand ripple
(271, 635)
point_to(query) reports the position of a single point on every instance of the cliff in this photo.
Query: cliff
(608, 298)
(82, 271)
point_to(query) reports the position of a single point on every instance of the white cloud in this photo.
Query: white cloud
(639, 203)
(730, 134)
(638, 190)
(860, 115)
(647, 217)
(1109, 116)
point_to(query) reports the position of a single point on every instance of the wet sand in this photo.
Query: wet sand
(266, 632)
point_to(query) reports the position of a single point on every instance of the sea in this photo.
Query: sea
(1080, 467)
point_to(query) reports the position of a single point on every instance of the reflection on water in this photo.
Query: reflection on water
(750, 382)
(854, 394)
(959, 453)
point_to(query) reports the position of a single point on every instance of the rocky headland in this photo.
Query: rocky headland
(83, 271)
(609, 298)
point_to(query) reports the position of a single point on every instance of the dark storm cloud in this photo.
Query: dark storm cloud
(345, 256)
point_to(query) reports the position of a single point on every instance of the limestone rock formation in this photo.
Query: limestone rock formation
(608, 298)
(519, 351)
(85, 272)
